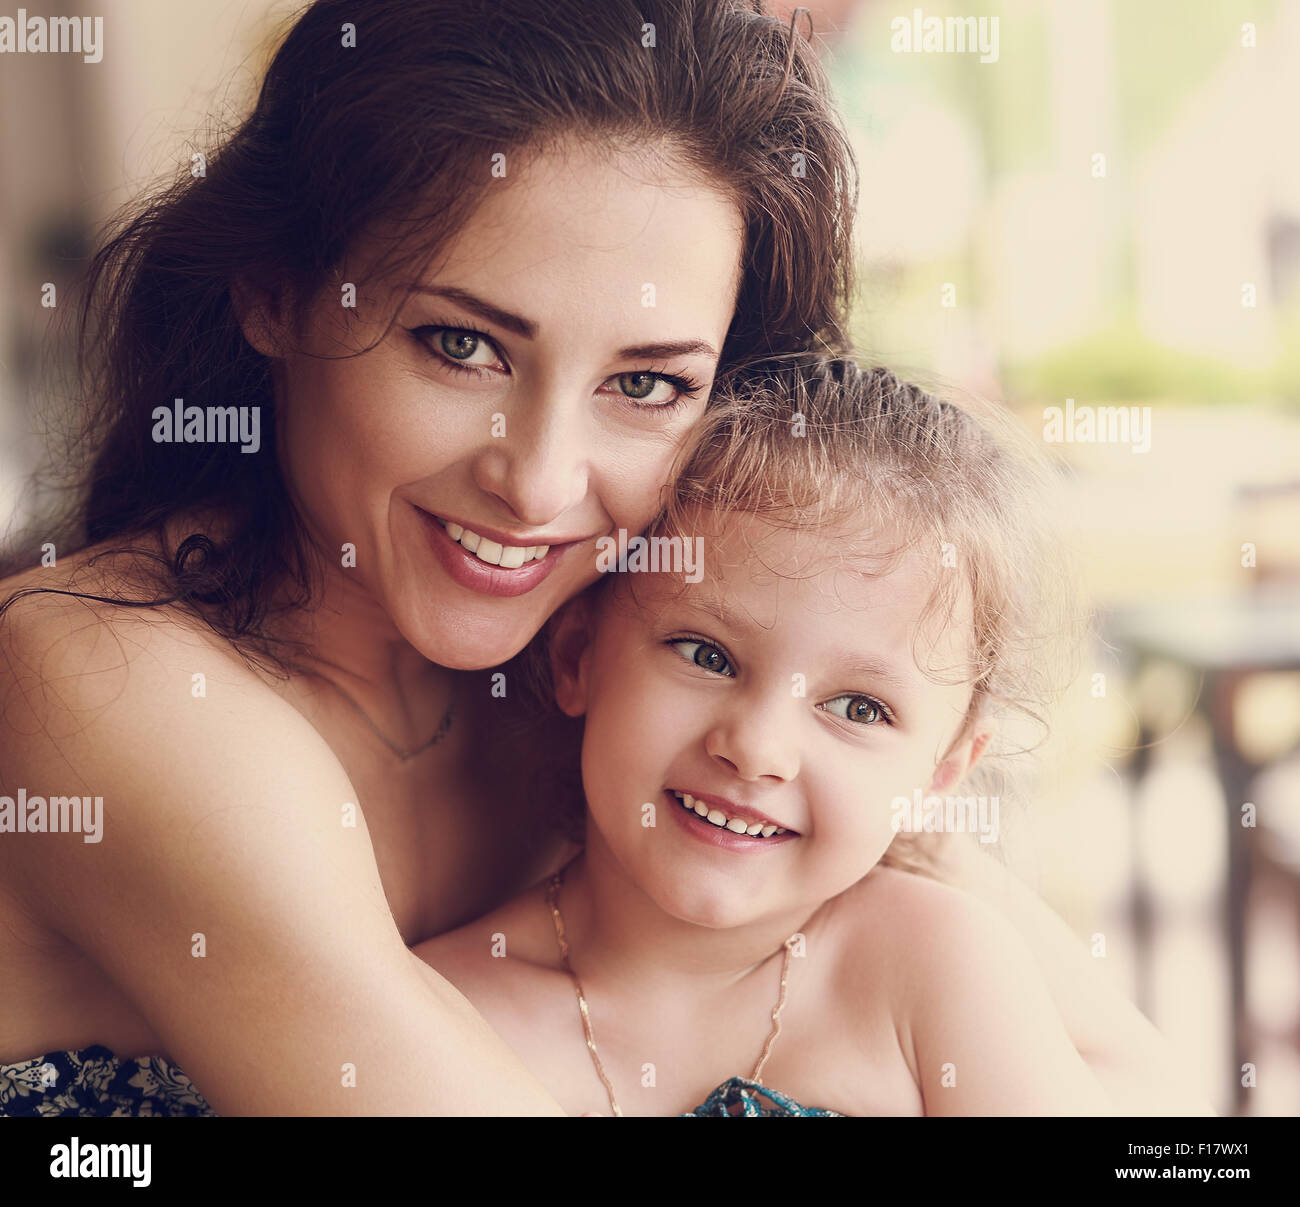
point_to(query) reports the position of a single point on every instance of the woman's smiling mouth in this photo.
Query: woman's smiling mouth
(484, 563)
(495, 553)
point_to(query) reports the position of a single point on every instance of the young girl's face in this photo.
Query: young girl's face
(533, 393)
(783, 689)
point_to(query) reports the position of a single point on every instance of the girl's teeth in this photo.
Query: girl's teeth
(735, 824)
(508, 557)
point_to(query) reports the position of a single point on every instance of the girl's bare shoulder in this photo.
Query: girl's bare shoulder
(506, 963)
(889, 907)
(887, 928)
(514, 936)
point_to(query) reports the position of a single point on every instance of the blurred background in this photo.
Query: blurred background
(1099, 204)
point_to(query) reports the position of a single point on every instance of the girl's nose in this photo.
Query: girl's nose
(756, 743)
(536, 460)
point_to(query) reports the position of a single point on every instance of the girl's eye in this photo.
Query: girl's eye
(459, 348)
(654, 390)
(862, 709)
(705, 656)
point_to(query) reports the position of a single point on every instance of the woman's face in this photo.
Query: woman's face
(532, 393)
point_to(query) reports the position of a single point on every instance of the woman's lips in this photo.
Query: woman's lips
(472, 572)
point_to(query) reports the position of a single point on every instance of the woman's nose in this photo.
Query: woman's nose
(756, 742)
(536, 459)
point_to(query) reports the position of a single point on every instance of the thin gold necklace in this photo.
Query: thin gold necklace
(553, 901)
(403, 755)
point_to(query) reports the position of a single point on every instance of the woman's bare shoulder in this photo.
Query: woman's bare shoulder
(77, 642)
(144, 707)
(56, 614)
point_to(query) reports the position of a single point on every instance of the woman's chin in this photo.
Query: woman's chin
(465, 643)
(456, 657)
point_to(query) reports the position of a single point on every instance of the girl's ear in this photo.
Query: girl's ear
(962, 756)
(569, 645)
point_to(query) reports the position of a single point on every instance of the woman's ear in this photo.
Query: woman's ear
(261, 315)
(962, 756)
(569, 645)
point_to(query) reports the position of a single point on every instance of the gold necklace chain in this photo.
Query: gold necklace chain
(403, 755)
(553, 901)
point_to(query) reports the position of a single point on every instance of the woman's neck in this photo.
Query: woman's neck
(619, 932)
(348, 639)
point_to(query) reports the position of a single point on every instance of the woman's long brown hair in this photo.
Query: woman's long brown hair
(390, 112)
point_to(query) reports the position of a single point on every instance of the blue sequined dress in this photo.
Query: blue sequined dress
(738, 1098)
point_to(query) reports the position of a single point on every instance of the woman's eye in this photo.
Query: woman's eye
(862, 709)
(705, 656)
(464, 349)
(653, 389)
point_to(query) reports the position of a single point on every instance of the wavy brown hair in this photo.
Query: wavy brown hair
(397, 130)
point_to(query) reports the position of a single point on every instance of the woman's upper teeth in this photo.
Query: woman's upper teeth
(737, 825)
(508, 557)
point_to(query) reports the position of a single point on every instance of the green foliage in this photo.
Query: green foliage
(1167, 49)
(1122, 364)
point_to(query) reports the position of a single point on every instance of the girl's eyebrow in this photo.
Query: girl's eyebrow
(850, 663)
(874, 669)
(716, 609)
(527, 329)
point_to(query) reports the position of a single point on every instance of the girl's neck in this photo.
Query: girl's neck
(616, 932)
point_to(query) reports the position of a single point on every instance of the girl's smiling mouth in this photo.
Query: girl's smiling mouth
(727, 824)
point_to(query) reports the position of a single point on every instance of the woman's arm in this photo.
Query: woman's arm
(1135, 1063)
(223, 818)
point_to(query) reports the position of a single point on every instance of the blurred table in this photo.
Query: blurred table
(1223, 641)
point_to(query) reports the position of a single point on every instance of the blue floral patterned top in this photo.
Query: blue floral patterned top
(93, 1082)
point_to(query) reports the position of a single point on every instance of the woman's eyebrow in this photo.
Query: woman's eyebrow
(680, 347)
(494, 314)
(527, 329)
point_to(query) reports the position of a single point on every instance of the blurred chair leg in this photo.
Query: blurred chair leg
(1235, 775)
